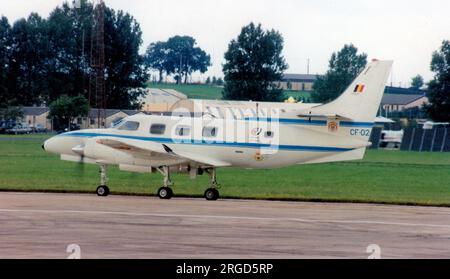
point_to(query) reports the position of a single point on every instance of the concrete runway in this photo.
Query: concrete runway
(43, 225)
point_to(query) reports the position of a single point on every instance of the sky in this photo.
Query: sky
(404, 31)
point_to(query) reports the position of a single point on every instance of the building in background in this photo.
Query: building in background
(297, 82)
(37, 116)
(112, 116)
(399, 102)
(160, 100)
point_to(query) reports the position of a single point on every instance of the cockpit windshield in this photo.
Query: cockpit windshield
(117, 124)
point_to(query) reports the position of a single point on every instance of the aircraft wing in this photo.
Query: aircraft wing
(199, 158)
(150, 150)
(158, 150)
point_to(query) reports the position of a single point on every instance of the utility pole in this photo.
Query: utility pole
(179, 74)
(98, 62)
(307, 68)
(82, 65)
(392, 77)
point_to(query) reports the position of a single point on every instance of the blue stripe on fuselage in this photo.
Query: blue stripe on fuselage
(356, 124)
(203, 142)
(311, 122)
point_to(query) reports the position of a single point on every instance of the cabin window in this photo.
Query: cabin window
(230, 110)
(183, 131)
(242, 113)
(219, 112)
(209, 132)
(157, 129)
(129, 126)
(269, 134)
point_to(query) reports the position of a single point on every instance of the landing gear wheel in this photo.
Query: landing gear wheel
(211, 194)
(165, 193)
(102, 191)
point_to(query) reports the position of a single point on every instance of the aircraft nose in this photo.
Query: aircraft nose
(51, 145)
(45, 145)
(61, 144)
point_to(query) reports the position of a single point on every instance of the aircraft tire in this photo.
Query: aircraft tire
(165, 193)
(102, 191)
(211, 194)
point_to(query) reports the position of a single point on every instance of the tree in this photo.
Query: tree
(344, 67)
(184, 57)
(70, 31)
(253, 64)
(179, 56)
(417, 82)
(219, 81)
(69, 34)
(10, 113)
(5, 59)
(214, 80)
(51, 57)
(126, 73)
(208, 81)
(28, 66)
(156, 58)
(66, 108)
(439, 88)
(8, 102)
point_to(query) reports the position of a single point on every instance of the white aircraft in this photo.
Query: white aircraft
(266, 135)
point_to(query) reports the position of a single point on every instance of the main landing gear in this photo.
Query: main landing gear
(165, 192)
(212, 194)
(103, 190)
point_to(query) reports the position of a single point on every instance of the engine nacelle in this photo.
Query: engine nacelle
(100, 152)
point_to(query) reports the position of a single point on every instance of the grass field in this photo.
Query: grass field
(193, 91)
(383, 177)
(199, 91)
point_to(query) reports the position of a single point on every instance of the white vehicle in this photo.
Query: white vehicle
(38, 128)
(429, 125)
(391, 139)
(201, 143)
(20, 128)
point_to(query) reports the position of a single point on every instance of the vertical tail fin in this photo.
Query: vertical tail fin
(361, 100)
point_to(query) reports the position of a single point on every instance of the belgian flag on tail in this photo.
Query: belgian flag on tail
(359, 88)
